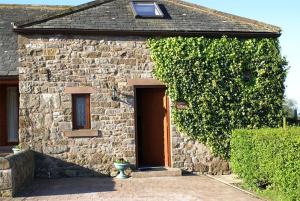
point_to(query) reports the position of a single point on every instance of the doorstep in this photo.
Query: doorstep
(156, 172)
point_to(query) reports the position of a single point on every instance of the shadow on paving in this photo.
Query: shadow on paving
(54, 176)
(65, 186)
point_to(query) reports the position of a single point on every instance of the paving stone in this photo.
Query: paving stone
(189, 188)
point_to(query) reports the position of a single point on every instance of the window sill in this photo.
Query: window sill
(81, 133)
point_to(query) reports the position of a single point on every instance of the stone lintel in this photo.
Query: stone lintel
(79, 90)
(81, 133)
(145, 82)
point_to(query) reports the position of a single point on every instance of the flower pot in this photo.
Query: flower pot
(16, 150)
(121, 168)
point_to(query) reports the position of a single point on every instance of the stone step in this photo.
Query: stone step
(156, 172)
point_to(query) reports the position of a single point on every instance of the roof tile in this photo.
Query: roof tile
(8, 39)
(116, 15)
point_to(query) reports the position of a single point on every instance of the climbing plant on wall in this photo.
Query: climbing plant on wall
(226, 83)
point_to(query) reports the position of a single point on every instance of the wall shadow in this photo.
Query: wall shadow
(54, 176)
(48, 167)
(68, 186)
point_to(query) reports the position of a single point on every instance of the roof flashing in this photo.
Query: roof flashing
(146, 9)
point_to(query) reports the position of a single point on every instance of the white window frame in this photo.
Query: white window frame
(137, 15)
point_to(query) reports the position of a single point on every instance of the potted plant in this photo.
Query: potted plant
(121, 164)
(16, 149)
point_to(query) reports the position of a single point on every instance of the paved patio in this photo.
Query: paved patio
(183, 188)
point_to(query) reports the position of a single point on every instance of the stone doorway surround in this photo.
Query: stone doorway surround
(140, 87)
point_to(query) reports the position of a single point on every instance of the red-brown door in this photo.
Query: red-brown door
(152, 127)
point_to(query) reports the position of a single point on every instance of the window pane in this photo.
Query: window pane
(12, 114)
(146, 9)
(80, 107)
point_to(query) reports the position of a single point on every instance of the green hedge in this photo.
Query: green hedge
(268, 159)
(227, 83)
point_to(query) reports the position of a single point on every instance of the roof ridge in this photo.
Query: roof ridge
(229, 16)
(68, 11)
(33, 6)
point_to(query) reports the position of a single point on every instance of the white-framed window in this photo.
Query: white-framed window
(147, 9)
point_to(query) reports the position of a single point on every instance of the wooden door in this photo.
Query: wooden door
(152, 127)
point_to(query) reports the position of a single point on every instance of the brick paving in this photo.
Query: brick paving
(182, 188)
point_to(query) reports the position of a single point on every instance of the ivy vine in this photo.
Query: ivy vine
(227, 83)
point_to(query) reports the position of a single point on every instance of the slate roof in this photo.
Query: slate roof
(116, 16)
(8, 39)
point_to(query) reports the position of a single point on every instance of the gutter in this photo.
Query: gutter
(146, 33)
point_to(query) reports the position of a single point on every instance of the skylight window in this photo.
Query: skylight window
(146, 9)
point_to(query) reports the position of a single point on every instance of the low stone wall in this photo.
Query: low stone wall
(16, 171)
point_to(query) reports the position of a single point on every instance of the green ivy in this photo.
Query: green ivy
(227, 83)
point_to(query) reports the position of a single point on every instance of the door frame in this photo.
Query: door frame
(9, 82)
(167, 138)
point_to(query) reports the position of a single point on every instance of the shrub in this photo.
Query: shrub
(268, 159)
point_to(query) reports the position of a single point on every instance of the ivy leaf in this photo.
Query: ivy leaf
(208, 73)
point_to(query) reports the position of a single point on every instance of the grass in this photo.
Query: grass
(269, 194)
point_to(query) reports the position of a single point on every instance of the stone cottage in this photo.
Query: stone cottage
(80, 91)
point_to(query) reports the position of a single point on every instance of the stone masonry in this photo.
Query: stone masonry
(49, 64)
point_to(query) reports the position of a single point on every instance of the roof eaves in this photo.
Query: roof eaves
(252, 22)
(61, 13)
(156, 33)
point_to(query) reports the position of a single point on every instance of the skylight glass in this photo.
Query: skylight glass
(146, 9)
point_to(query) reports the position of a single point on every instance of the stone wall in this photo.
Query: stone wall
(192, 156)
(16, 171)
(50, 64)
(5, 178)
